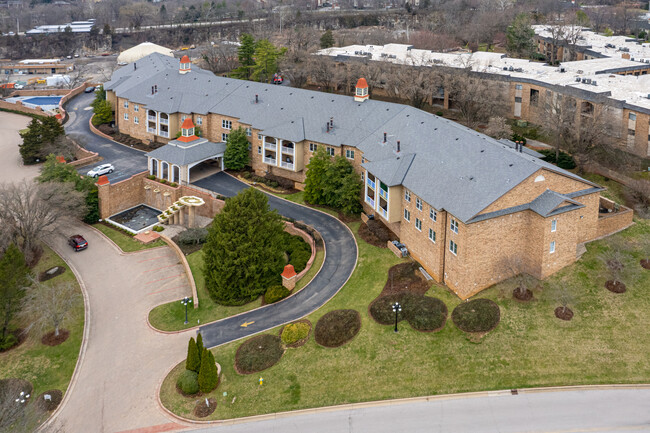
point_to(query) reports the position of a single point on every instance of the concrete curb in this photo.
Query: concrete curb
(395, 402)
(120, 251)
(84, 343)
(186, 266)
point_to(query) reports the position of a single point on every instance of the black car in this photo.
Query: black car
(77, 242)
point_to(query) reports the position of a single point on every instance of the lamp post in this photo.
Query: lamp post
(186, 301)
(396, 308)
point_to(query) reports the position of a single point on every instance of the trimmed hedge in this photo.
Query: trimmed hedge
(478, 315)
(294, 332)
(298, 251)
(258, 353)
(423, 313)
(337, 327)
(188, 382)
(275, 293)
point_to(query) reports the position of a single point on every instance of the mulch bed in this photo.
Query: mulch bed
(49, 405)
(51, 273)
(50, 339)
(645, 263)
(337, 327)
(258, 353)
(201, 410)
(20, 335)
(563, 313)
(478, 315)
(615, 286)
(405, 277)
(299, 342)
(522, 295)
(376, 233)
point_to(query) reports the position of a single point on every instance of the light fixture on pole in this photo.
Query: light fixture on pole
(186, 301)
(396, 308)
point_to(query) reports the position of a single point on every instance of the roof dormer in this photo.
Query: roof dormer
(186, 65)
(361, 91)
(187, 131)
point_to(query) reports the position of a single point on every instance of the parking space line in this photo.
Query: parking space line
(162, 267)
(165, 278)
(153, 258)
(166, 290)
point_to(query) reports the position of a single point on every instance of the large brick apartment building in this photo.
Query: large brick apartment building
(463, 203)
(606, 78)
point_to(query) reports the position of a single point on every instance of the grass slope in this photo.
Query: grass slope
(124, 241)
(529, 347)
(44, 366)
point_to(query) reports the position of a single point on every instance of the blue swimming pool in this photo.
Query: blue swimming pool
(43, 100)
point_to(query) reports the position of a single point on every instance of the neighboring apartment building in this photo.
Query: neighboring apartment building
(36, 66)
(614, 84)
(463, 203)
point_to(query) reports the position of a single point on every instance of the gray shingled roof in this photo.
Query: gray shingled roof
(181, 153)
(549, 201)
(453, 167)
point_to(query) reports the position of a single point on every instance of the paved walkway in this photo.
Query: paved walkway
(340, 260)
(611, 411)
(124, 359)
(11, 164)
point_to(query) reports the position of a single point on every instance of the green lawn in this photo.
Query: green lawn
(614, 189)
(530, 347)
(124, 241)
(170, 316)
(299, 197)
(46, 367)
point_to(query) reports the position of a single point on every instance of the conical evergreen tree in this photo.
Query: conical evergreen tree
(193, 361)
(208, 377)
(199, 346)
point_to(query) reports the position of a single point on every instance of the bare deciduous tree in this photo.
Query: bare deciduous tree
(516, 267)
(558, 119)
(34, 210)
(498, 128)
(50, 306)
(475, 98)
(220, 58)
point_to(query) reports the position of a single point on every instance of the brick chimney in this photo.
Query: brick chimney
(186, 65)
(361, 90)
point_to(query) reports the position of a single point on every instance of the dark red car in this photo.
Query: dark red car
(77, 242)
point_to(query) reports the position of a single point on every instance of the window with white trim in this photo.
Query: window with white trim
(418, 203)
(453, 225)
(259, 136)
(453, 247)
(224, 137)
(407, 195)
(313, 147)
(330, 151)
(226, 124)
(126, 104)
(199, 120)
(433, 214)
(249, 132)
(136, 120)
(126, 116)
(553, 225)
(259, 150)
(432, 236)
(418, 224)
(136, 107)
(407, 215)
(349, 154)
(552, 247)
(183, 117)
(518, 86)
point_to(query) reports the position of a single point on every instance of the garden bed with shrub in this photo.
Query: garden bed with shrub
(478, 315)
(258, 354)
(337, 327)
(376, 233)
(295, 334)
(423, 313)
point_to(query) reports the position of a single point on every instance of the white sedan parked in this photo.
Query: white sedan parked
(101, 169)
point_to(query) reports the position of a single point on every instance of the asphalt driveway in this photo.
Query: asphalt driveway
(127, 161)
(340, 260)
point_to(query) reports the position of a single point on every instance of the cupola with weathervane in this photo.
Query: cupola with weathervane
(186, 65)
(361, 93)
(187, 131)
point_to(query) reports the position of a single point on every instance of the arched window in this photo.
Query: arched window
(176, 174)
(165, 170)
(154, 167)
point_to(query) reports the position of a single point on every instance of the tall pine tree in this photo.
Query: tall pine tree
(243, 254)
(208, 375)
(193, 361)
(245, 53)
(236, 155)
(199, 344)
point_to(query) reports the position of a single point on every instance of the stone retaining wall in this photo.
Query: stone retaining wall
(615, 221)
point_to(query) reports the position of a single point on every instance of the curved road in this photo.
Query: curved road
(340, 260)
(567, 411)
(341, 248)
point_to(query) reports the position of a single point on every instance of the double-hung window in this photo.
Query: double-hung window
(224, 137)
(433, 214)
(313, 147)
(349, 154)
(553, 225)
(226, 124)
(453, 225)
(432, 235)
(418, 224)
(418, 203)
(407, 195)
(330, 151)
(453, 247)
(407, 215)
